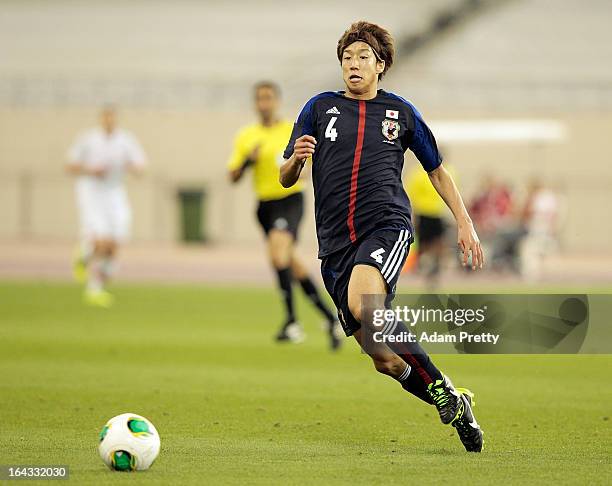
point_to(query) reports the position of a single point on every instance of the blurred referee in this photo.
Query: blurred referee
(429, 211)
(279, 212)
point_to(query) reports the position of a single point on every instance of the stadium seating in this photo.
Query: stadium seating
(156, 53)
(536, 54)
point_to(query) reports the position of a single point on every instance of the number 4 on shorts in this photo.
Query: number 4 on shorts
(377, 255)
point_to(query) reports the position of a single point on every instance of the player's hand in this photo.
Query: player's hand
(99, 171)
(469, 245)
(304, 147)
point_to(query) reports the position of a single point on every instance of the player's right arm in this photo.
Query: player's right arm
(301, 146)
(76, 165)
(290, 171)
(243, 157)
(237, 173)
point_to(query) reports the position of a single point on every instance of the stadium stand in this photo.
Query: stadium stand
(184, 53)
(528, 54)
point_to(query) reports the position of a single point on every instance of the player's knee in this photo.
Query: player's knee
(280, 260)
(279, 249)
(298, 269)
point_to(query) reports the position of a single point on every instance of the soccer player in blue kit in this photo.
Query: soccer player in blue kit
(357, 139)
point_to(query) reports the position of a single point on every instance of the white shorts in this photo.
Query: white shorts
(103, 213)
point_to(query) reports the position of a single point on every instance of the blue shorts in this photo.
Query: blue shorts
(386, 249)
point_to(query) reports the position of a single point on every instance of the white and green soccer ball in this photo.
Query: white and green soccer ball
(129, 442)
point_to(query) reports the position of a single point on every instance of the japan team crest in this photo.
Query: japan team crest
(390, 128)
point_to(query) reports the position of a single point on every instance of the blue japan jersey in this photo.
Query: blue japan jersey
(357, 164)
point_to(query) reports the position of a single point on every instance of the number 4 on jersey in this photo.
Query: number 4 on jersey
(377, 255)
(330, 131)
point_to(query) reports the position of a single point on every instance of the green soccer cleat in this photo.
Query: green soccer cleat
(79, 268)
(468, 429)
(446, 399)
(98, 298)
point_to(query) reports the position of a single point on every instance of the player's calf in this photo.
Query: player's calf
(419, 375)
(389, 364)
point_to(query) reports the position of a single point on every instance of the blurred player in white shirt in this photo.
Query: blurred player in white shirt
(100, 159)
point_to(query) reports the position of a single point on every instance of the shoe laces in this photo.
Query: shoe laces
(439, 394)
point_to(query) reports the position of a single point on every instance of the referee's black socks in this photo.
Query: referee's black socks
(311, 292)
(284, 282)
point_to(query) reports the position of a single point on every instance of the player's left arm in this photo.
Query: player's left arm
(137, 160)
(423, 144)
(467, 239)
(76, 155)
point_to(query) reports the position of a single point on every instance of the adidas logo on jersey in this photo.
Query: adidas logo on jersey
(333, 111)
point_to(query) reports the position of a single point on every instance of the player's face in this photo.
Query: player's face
(266, 103)
(108, 120)
(360, 68)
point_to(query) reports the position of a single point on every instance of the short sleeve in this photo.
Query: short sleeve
(136, 155)
(302, 126)
(239, 153)
(422, 142)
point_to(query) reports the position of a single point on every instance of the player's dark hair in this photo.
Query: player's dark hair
(377, 37)
(267, 85)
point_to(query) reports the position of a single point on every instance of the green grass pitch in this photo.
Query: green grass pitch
(232, 407)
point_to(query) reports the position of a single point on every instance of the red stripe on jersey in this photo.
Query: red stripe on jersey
(356, 161)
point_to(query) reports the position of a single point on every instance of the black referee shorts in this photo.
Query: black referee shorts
(282, 214)
(385, 249)
(430, 229)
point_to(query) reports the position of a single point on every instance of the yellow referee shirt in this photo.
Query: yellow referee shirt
(272, 141)
(424, 198)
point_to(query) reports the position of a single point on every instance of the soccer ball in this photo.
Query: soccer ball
(129, 442)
